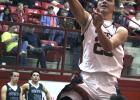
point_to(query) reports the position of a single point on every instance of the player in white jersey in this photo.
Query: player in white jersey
(103, 54)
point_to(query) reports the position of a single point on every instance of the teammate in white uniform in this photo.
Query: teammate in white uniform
(103, 54)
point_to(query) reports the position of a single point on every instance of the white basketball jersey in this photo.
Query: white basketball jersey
(95, 58)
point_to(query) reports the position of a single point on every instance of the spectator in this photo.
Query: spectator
(90, 6)
(66, 7)
(33, 90)
(134, 23)
(49, 20)
(10, 38)
(119, 16)
(56, 4)
(65, 22)
(6, 15)
(11, 90)
(74, 38)
(131, 10)
(27, 3)
(134, 27)
(35, 45)
(20, 15)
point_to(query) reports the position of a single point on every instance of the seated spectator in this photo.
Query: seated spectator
(134, 28)
(56, 4)
(74, 40)
(119, 16)
(35, 45)
(131, 11)
(6, 15)
(63, 21)
(67, 7)
(27, 3)
(90, 6)
(20, 15)
(134, 24)
(10, 38)
(49, 20)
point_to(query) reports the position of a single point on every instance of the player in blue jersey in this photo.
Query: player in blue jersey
(11, 90)
(34, 90)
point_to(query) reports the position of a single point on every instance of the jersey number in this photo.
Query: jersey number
(99, 51)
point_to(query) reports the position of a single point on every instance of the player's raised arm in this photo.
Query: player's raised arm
(79, 12)
(108, 43)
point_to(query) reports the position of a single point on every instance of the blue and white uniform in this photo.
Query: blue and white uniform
(13, 92)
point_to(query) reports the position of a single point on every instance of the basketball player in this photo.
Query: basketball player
(11, 91)
(103, 54)
(34, 89)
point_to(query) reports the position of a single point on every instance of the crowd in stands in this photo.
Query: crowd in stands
(22, 11)
(21, 14)
(48, 12)
(10, 38)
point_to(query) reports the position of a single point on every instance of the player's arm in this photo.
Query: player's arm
(47, 93)
(3, 92)
(79, 12)
(24, 88)
(115, 41)
(120, 37)
(109, 43)
(21, 96)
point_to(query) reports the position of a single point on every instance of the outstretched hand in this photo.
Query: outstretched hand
(97, 19)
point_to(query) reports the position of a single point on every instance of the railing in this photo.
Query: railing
(65, 46)
(40, 28)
